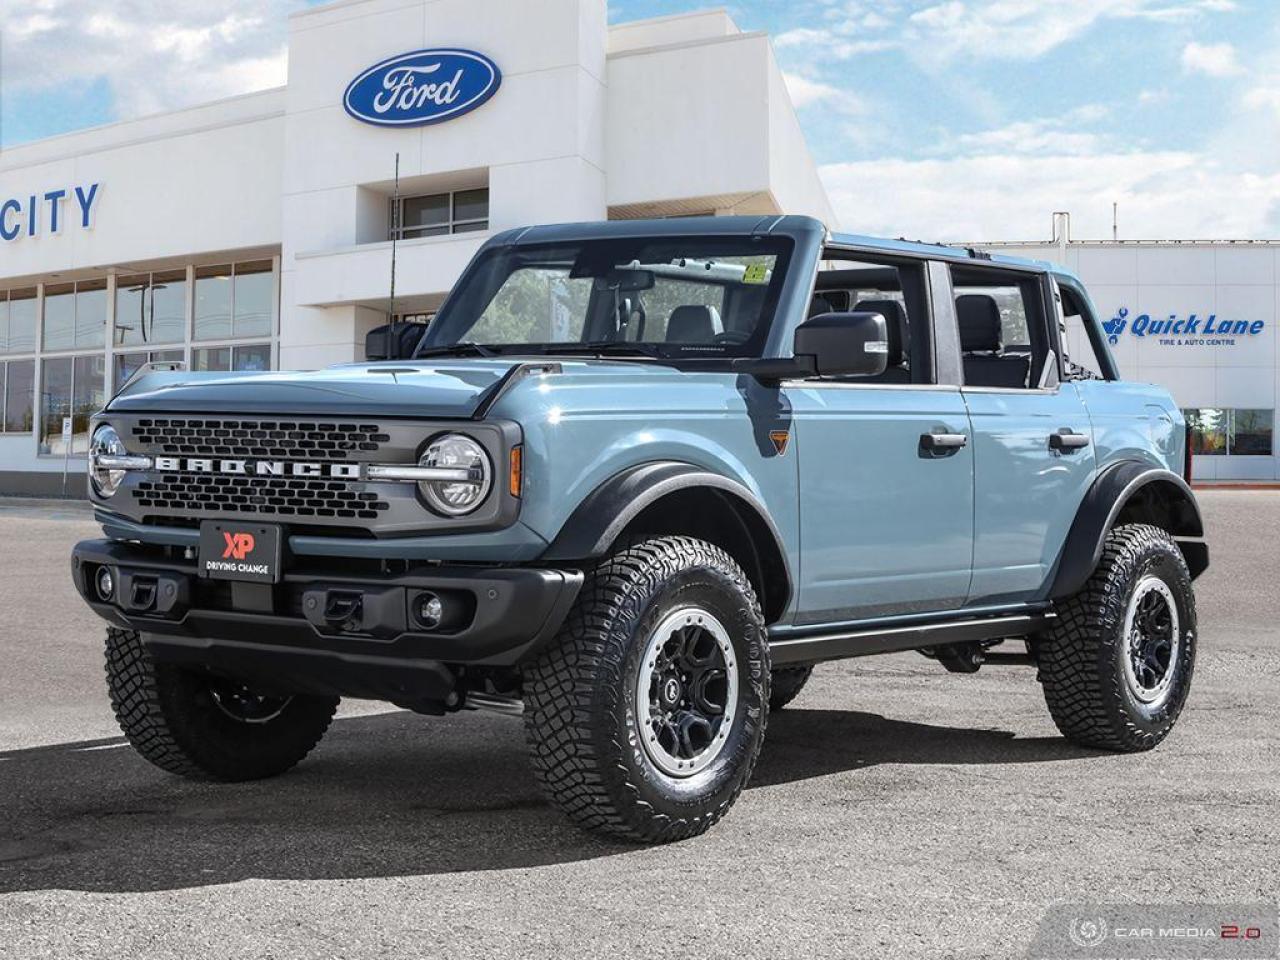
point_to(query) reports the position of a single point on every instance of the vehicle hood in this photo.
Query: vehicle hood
(426, 389)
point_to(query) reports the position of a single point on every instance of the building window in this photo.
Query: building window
(1217, 432)
(18, 321)
(75, 315)
(250, 358)
(151, 308)
(17, 396)
(235, 301)
(74, 387)
(1250, 433)
(463, 211)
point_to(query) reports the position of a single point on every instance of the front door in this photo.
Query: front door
(886, 499)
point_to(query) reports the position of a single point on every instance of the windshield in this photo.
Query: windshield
(670, 298)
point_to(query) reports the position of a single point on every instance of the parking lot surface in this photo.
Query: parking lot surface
(897, 811)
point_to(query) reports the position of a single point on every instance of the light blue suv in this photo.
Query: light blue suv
(632, 482)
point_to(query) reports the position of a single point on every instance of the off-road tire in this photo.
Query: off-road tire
(170, 717)
(785, 685)
(1081, 659)
(581, 712)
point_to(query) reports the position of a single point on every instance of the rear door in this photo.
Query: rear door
(1032, 437)
(886, 468)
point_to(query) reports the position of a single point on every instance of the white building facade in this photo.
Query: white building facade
(256, 232)
(1199, 318)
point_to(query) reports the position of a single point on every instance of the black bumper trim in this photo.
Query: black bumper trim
(498, 616)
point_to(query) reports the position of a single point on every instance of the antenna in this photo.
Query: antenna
(395, 236)
(1115, 221)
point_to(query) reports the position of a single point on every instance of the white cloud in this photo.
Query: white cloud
(154, 54)
(1211, 59)
(806, 93)
(995, 197)
(990, 29)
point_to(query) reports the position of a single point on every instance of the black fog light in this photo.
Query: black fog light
(106, 584)
(428, 610)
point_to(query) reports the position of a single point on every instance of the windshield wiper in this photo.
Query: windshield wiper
(607, 347)
(466, 347)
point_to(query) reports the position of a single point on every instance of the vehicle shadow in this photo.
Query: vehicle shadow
(386, 795)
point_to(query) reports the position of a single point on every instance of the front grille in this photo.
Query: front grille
(277, 496)
(294, 469)
(264, 439)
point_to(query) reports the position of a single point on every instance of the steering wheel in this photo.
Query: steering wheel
(731, 337)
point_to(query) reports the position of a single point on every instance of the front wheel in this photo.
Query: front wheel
(1117, 664)
(203, 726)
(646, 715)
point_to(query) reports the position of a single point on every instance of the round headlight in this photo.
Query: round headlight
(106, 443)
(456, 497)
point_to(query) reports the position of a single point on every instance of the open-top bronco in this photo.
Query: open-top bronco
(632, 482)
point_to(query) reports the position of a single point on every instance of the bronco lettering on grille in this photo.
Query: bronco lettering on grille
(259, 468)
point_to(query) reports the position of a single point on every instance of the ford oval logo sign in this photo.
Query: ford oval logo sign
(425, 86)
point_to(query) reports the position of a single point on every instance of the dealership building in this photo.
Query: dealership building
(257, 232)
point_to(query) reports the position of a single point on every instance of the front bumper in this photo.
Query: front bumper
(328, 630)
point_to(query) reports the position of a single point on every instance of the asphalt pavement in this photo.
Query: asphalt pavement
(897, 811)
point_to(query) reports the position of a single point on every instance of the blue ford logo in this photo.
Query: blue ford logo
(425, 86)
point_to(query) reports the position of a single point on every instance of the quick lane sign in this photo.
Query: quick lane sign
(49, 212)
(1192, 330)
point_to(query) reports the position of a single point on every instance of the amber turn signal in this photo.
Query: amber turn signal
(514, 476)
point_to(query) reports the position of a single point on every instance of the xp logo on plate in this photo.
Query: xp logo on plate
(425, 86)
(239, 545)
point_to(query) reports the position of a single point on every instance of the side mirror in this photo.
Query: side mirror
(844, 344)
(393, 341)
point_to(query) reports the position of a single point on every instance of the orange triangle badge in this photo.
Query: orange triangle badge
(780, 439)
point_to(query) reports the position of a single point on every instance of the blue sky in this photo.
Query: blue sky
(956, 119)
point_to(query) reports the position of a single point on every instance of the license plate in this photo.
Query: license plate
(240, 551)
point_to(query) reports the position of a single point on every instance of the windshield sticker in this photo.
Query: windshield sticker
(756, 273)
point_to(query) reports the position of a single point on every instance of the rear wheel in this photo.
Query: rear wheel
(646, 715)
(1117, 664)
(786, 684)
(207, 727)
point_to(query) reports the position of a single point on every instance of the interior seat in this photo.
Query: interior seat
(818, 305)
(693, 323)
(899, 336)
(982, 342)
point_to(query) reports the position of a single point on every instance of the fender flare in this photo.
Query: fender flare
(1112, 490)
(603, 514)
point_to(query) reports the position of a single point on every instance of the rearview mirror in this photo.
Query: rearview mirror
(393, 341)
(844, 344)
(626, 281)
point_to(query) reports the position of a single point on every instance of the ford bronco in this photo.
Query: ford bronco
(632, 482)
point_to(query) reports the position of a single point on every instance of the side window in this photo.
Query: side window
(893, 288)
(1079, 354)
(1004, 338)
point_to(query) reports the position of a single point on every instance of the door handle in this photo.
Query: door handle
(943, 442)
(1067, 440)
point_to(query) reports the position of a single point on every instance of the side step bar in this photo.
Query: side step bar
(838, 645)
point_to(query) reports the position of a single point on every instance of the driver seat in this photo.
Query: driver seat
(693, 323)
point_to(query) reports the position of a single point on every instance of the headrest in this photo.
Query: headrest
(691, 323)
(818, 305)
(895, 322)
(980, 327)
